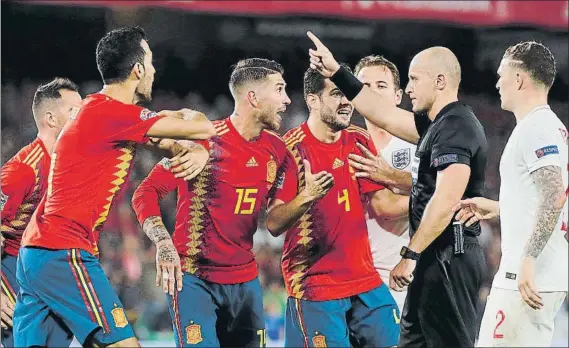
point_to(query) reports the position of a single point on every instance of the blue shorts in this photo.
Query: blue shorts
(206, 314)
(72, 285)
(56, 333)
(370, 319)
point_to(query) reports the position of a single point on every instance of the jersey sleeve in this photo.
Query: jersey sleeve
(540, 148)
(454, 141)
(159, 182)
(128, 123)
(367, 185)
(286, 184)
(18, 181)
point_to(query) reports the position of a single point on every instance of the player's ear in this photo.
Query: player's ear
(440, 82)
(313, 102)
(519, 80)
(50, 119)
(398, 96)
(252, 98)
(138, 70)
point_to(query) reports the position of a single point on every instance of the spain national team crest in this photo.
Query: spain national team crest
(319, 341)
(119, 317)
(401, 158)
(271, 171)
(194, 334)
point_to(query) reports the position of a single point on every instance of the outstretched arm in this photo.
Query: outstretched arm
(373, 106)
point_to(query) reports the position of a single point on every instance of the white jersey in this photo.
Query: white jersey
(385, 246)
(539, 140)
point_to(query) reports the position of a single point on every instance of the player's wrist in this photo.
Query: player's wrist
(347, 82)
(407, 253)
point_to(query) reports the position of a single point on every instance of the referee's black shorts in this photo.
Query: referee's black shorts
(441, 305)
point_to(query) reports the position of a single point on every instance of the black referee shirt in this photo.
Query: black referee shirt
(454, 136)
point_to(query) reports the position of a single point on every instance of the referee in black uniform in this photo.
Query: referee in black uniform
(443, 264)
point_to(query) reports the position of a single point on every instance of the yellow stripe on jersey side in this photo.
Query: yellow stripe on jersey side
(90, 296)
(6, 290)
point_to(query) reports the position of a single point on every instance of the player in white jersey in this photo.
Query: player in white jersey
(388, 231)
(532, 281)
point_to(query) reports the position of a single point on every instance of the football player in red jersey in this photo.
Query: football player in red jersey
(24, 182)
(218, 300)
(58, 268)
(336, 298)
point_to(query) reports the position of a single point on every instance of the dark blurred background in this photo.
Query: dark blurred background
(195, 43)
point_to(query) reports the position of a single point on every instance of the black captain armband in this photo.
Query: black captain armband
(347, 83)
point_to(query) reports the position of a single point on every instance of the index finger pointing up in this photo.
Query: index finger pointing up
(315, 40)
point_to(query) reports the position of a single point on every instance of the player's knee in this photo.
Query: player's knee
(129, 342)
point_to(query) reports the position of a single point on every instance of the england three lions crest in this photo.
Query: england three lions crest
(401, 158)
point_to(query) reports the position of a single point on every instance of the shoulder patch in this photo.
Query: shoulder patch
(146, 114)
(547, 150)
(3, 200)
(164, 163)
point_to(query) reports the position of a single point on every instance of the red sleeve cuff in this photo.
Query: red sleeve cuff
(147, 125)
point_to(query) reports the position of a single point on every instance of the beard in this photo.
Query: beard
(269, 119)
(142, 98)
(143, 92)
(331, 119)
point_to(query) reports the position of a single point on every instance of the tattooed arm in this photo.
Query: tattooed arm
(551, 200)
(168, 265)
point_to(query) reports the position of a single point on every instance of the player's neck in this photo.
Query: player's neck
(122, 92)
(321, 131)
(48, 140)
(248, 127)
(380, 137)
(440, 102)
(528, 103)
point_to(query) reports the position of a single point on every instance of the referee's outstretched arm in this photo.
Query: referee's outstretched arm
(371, 105)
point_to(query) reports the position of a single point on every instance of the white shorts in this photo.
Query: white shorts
(509, 322)
(399, 297)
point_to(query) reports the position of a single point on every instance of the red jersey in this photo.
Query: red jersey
(217, 212)
(89, 165)
(326, 255)
(24, 182)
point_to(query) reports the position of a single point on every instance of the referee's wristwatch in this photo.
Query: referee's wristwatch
(407, 253)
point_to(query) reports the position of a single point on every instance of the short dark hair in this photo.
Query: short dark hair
(50, 91)
(534, 58)
(314, 81)
(253, 69)
(117, 53)
(377, 60)
(258, 63)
